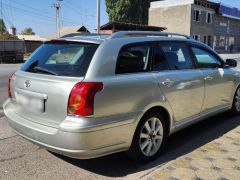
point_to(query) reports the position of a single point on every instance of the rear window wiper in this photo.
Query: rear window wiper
(45, 70)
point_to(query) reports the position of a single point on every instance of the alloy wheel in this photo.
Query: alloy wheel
(151, 136)
(237, 100)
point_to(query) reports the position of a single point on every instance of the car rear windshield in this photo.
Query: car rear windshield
(61, 59)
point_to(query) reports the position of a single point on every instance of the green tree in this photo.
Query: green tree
(131, 11)
(28, 31)
(2, 27)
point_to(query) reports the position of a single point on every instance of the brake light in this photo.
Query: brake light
(81, 99)
(9, 85)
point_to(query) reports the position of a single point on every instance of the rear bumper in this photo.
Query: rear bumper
(75, 137)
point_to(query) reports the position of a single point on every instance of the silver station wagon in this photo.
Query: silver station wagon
(86, 97)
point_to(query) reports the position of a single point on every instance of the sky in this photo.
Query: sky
(40, 15)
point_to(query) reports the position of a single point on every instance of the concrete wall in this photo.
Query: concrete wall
(176, 19)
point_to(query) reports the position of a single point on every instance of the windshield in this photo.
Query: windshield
(68, 59)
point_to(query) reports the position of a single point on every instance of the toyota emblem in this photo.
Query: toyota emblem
(27, 83)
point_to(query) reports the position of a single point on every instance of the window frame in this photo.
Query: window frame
(222, 39)
(135, 44)
(156, 45)
(211, 18)
(195, 15)
(208, 51)
(197, 35)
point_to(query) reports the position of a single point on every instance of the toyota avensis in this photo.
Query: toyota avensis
(86, 97)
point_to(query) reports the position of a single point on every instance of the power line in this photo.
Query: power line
(36, 13)
(6, 15)
(6, 18)
(30, 7)
(78, 11)
(77, 7)
(11, 14)
(1, 9)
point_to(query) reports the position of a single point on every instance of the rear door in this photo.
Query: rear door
(218, 81)
(182, 85)
(40, 90)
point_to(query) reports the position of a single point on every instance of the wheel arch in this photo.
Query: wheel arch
(234, 92)
(164, 112)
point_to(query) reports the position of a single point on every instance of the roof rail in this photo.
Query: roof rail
(122, 34)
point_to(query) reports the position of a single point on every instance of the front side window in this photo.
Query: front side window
(205, 59)
(177, 55)
(134, 59)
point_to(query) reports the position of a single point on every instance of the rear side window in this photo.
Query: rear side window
(61, 59)
(134, 59)
(177, 55)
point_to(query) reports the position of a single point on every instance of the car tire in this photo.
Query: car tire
(236, 102)
(149, 138)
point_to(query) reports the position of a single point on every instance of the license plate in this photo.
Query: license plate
(29, 103)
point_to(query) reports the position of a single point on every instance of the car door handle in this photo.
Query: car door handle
(168, 82)
(208, 78)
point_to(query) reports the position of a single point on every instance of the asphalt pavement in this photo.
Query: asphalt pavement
(20, 159)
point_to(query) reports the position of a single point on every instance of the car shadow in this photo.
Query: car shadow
(181, 143)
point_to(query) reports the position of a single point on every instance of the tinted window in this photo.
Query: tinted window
(159, 61)
(205, 59)
(177, 55)
(61, 59)
(134, 59)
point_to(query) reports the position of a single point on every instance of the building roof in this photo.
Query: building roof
(230, 12)
(31, 37)
(169, 3)
(121, 26)
(207, 4)
(70, 30)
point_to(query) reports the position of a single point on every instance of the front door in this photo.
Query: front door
(181, 84)
(218, 81)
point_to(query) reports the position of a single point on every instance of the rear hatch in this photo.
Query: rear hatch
(40, 90)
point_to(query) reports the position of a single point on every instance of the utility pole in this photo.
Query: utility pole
(57, 5)
(1, 10)
(1, 15)
(2, 55)
(98, 16)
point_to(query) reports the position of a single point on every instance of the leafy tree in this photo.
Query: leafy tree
(2, 27)
(28, 31)
(131, 11)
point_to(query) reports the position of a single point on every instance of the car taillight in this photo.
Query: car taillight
(81, 99)
(9, 85)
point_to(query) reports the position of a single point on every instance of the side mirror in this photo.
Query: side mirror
(231, 62)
